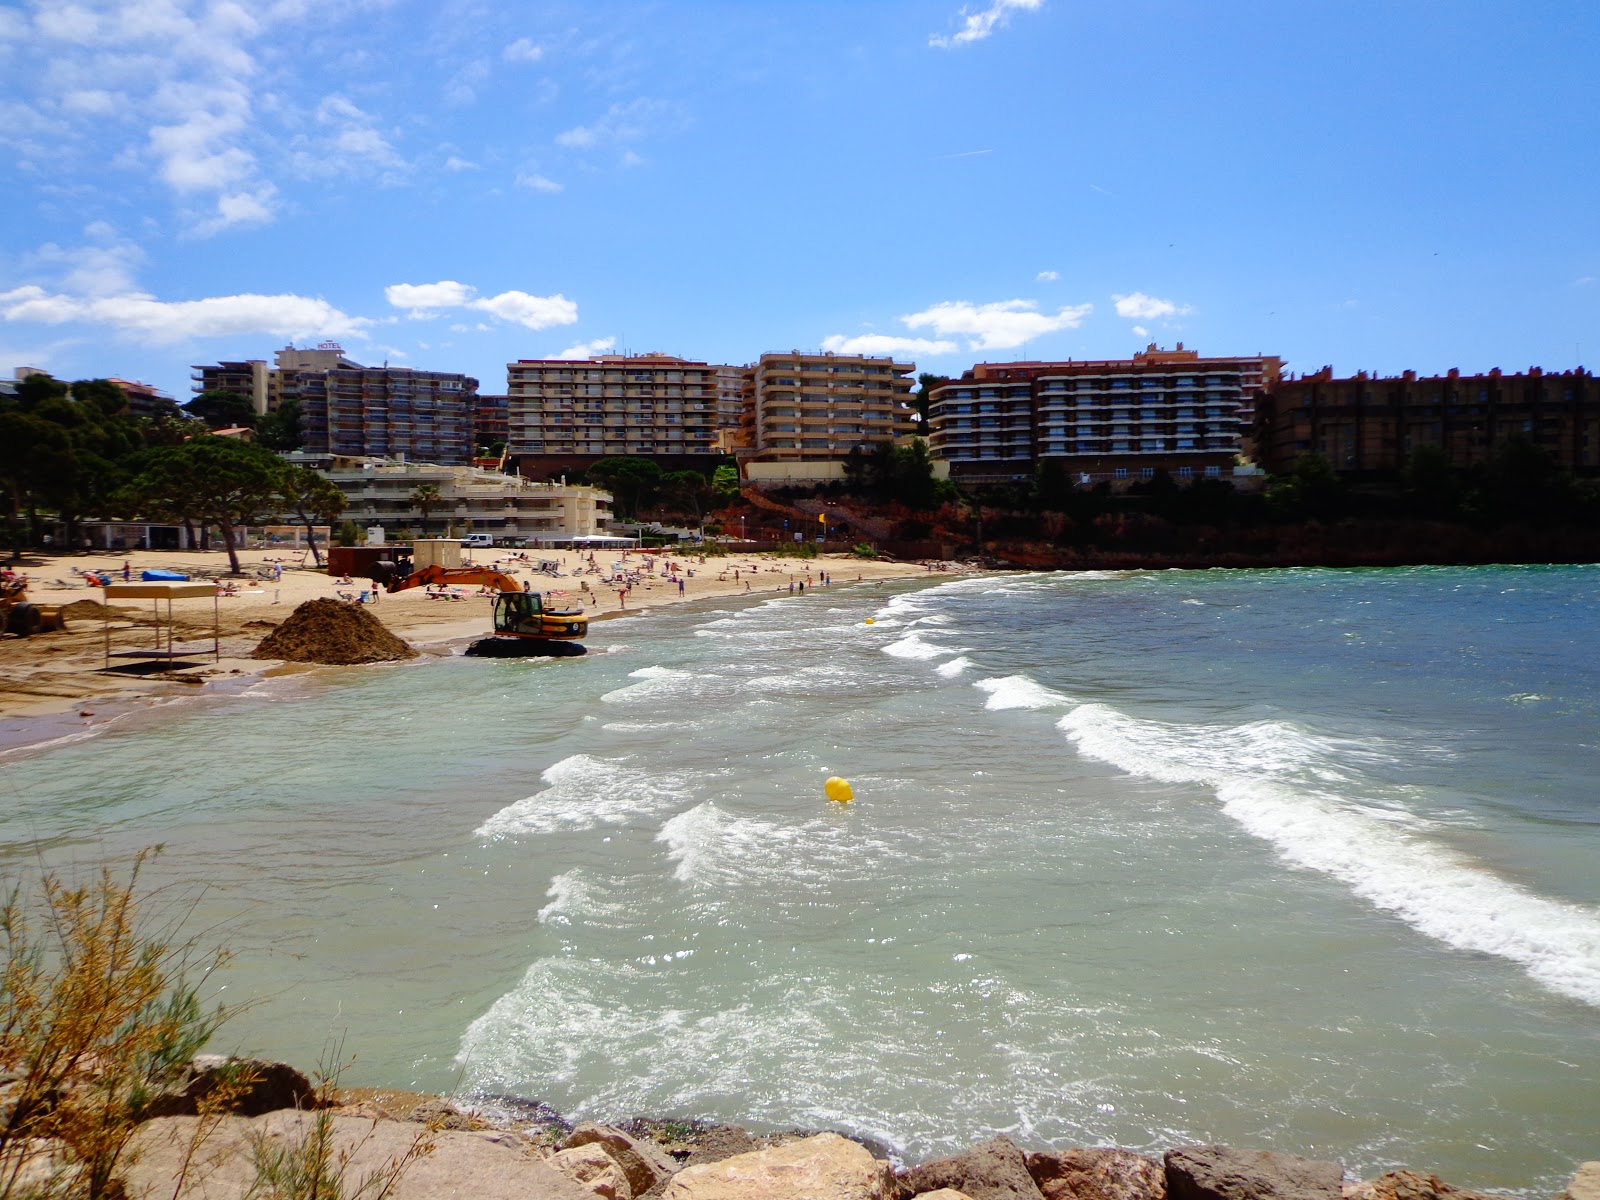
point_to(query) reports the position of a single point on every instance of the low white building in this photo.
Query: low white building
(385, 492)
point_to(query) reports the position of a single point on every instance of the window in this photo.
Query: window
(1121, 472)
(1213, 472)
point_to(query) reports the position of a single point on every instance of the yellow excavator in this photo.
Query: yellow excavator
(522, 624)
(22, 617)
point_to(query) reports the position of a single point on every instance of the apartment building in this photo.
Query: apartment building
(350, 409)
(491, 420)
(819, 406)
(1364, 423)
(382, 491)
(565, 413)
(1110, 419)
(145, 400)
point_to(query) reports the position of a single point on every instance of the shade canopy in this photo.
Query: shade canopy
(159, 591)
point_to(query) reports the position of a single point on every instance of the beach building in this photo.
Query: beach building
(563, 414)
(387, 492)
(1370, 424)
(1116, 420)
(818, 406)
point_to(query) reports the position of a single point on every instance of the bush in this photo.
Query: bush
(864, 550)
(98, 1014)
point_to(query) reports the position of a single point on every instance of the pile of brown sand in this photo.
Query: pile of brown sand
(335, 632)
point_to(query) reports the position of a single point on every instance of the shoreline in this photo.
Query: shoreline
(55, 687)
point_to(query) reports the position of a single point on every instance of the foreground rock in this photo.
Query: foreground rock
(249, 1087)
(1223, 1173)
(824, 1167)
(643, 1163)
(1585, 1184)
(993, 1170)
(332, 633)
(1103, 1173)
(477, 1165)
(596, 1170)
(1408, 1185)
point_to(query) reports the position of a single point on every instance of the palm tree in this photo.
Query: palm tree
(427, 498)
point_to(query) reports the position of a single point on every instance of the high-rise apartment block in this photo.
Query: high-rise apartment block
(649, 404)
(1111, 419)
(1368, 424)
(346, 408)
(820, 406)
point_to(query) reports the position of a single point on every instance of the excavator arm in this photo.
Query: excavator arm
(462, 576)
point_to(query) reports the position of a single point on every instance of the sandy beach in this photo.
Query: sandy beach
(54, 683)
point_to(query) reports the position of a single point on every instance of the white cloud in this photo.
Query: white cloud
(535, 312)
(92, 102)
(1136, 306)
(1584, 281)
(587, 349)
(169, 321)
(1141, 331)
(882, 343)
(1048, 276)
(975, 26)
(622, 123)
(455, 163)
(425, 299)
(239, 208)
(997, 326)
(524, 50)
(535, 182)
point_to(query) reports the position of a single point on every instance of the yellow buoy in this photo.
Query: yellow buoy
(869, 621)
(839, 789)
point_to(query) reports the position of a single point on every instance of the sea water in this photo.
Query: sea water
(1307, 860)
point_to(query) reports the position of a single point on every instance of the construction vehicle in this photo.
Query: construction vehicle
(522, 623)
(21, 616)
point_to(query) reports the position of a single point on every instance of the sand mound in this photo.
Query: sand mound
(334, 632)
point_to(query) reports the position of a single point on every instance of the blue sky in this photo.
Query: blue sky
(1413, 183)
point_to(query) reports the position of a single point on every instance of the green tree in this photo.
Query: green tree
(222, 409)
(631, 481)
(32, 451)
(221, 480)
(924, 397)
(688, 489)
(280, 429)
(725, 482)
(311, 497)
(426, 497)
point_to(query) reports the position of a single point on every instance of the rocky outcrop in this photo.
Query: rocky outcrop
(1223, 1173)
(592, 1167)
(642, 1162)
(824, 1167)
(246, 1087)
(1408, 1185)
(1101, 1173)
(992, 1170)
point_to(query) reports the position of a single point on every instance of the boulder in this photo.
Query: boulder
(1100, 1173)
(1223, 1173)
(460, 1163)
(720, 1142)
(942, 1194)
(1408, 1185)
(643, 1162)
(992, 1170)
(596, 1170)
(442, 1114)
(1585, 1184)
(824, 1167)
(252, 1086)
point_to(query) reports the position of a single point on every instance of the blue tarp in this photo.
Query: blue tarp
(162, 576)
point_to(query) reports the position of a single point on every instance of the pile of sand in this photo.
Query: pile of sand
(335, 632)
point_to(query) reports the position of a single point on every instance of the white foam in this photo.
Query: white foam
(582, 792)
(654, 682)
(1266, 775)
(913, 646)
(1018, 691)
(954, 667)
(573, 896)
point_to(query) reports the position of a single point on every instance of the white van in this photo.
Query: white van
(474, 541)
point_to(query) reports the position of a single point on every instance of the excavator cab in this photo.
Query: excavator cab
(519, 614)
